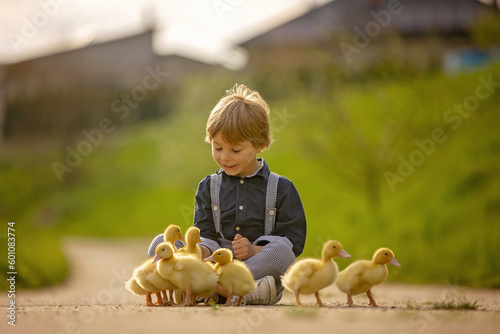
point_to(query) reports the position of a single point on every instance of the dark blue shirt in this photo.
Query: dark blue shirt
(242, 204)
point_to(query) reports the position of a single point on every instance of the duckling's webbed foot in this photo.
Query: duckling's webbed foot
(297, 298)
(159, 301)
(166, 301)
(149, 301)
(370, 296)
(318, 300)
(349, 298)
(229, 301)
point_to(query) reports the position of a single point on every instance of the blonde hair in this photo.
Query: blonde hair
(241, 115)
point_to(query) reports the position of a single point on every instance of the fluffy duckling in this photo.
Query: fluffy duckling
(188, 273)
(192, 240)
(134, 287)
(172, 234)
(308, 276)
(362, 275)
(146, 280)
(234, 275)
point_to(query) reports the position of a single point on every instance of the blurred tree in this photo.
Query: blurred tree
(486, 31)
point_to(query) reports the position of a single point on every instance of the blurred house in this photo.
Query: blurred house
(60, 94)
(353, 34)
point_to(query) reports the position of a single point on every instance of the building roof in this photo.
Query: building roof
(207, 31)
(409, 18)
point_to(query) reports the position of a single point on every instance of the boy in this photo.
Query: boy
(245, 207)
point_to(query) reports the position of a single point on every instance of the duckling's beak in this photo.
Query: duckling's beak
(210, 258)
(394, 262)
(157, 257)
(343, 253)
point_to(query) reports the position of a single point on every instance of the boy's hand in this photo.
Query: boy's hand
(205, 252)
(243, 249)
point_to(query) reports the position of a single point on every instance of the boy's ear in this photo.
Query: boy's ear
(260, 149)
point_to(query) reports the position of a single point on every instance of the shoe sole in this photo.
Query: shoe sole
(272, 290)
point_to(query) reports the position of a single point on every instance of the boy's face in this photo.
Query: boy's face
(240, 159)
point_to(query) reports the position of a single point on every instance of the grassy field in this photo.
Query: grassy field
(411, 164)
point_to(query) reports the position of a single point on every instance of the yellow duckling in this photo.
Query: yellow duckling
(362, 275)
(188, 273)
(146, 280)
(134, 287)
(192, 240)
(172, 234)
(308, 276)
(234, 275)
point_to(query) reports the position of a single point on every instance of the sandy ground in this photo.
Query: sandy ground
(94, 301)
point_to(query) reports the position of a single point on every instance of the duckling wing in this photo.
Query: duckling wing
(299, 274)
(160, 282)
(141, 276)
(132, 286)
(237, 277)
(204, 279)
(189, 272)
(352, 277)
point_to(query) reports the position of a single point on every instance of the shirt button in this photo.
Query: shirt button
(242, 181)
(237, 228)
(240, 207)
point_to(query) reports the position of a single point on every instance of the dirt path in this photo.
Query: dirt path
(95, 301)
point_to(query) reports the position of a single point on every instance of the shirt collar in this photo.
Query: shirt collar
(263, 170)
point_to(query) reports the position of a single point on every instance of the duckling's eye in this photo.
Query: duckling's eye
(163, 249)
(386, 254)
(334, 246)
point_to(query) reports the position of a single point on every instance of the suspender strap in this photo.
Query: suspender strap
(215, 182)
(271, 194)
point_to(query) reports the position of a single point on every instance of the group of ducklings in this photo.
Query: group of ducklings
(308, 276)
(184, 270)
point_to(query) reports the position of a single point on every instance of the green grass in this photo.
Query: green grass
(335, 144)
(456, 304)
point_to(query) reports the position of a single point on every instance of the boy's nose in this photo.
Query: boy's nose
(225, 157)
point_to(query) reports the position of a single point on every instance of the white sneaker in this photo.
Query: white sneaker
(208, 301)
(264, 294)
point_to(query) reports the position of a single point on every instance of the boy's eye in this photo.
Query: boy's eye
(218, 148)
(236, 151)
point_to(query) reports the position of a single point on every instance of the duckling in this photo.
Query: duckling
(192, 240)
(188, 273)
(234, 275)
(362, 275)
(308, 276)
(172, 234)
(146, 280)
(134, 287)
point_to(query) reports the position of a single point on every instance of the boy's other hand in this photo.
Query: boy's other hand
(243, 248)
(205, 251)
